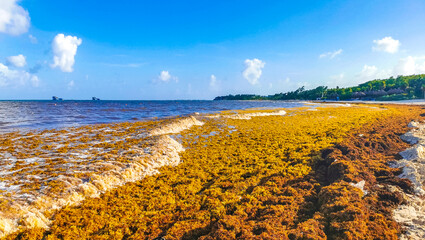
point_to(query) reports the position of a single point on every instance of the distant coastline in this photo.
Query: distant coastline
(390, 89)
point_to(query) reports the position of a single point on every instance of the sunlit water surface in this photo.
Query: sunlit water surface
(29, 115)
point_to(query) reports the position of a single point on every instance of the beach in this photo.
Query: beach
(320, 171)
(227, 120)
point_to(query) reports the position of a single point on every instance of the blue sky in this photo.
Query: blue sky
(201, 49)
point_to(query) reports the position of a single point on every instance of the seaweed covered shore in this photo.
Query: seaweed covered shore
(327, 172)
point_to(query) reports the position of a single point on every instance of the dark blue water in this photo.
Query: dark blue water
(28, 115)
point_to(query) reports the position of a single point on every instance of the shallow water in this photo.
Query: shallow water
(29, 115)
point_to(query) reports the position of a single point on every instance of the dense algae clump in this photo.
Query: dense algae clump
(295, 176)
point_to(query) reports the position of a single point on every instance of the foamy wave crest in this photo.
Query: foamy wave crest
(74, 164)
(249, 115)
(176, 127)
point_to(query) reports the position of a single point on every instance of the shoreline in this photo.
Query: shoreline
(412, 212)
(223, 128)
(155, 148)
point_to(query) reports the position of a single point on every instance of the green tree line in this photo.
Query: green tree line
(399, 88)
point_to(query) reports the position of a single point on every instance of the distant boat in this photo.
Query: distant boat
(95, 99)
(54, 98)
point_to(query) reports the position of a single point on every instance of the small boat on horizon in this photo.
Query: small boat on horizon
(54, 98)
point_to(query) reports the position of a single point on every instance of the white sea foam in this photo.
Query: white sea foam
(412, 214)
(247, 116)
(176, 127)
(7, 187)
(33, 160)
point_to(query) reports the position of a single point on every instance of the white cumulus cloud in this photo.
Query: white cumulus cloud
(17, 61)
(14, 20)
(253, 70)
(14, 78)
(165, 77)
(387, 44)
(331, 55)
(410, 65)
(405, 66)
(64, 50)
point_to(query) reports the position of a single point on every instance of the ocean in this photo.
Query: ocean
(27, 115)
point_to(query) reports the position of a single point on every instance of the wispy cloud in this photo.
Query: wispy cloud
(36, 68)
(213, 81)
(124, 65)
(371, 72)
(405, 66)
(17, 61)
(331, 55)
(33, 39)
(71, 85)
(410, 65)
(215, 84)
(15, 78)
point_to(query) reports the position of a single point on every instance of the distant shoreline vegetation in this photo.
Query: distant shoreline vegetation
(391, 89)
